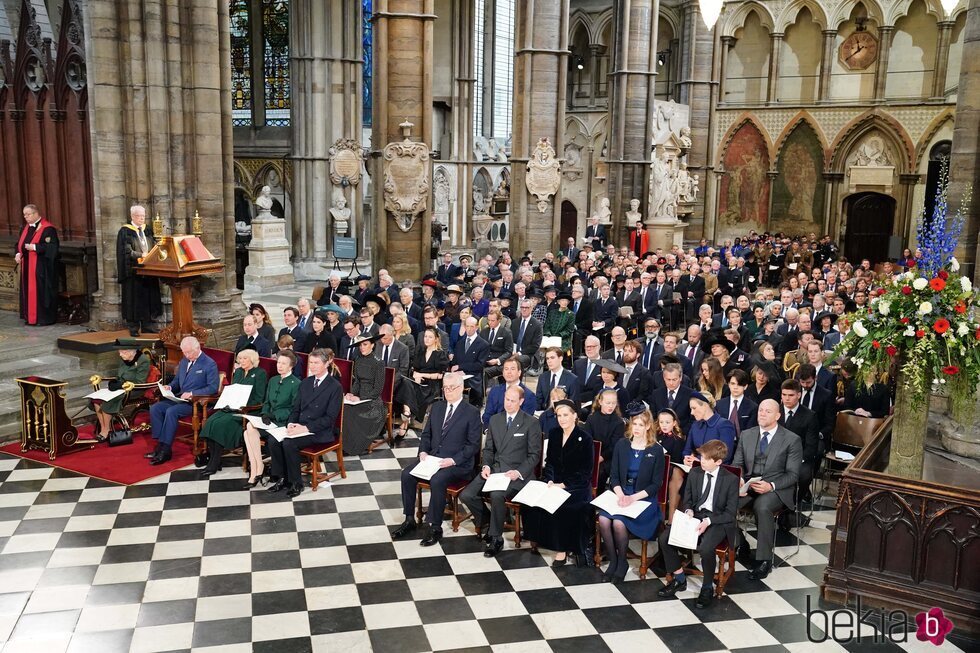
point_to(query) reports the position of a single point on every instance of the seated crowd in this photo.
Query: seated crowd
(671, 377)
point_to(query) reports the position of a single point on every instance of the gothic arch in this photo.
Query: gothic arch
(901, 9)
(600, 23)
(801, 117)
(736, 20)
(959, 9)
(789, 14)
(872, 119)
(922, 148)
(843, 12)
(730, 134)
(580, 20)
(671, 17)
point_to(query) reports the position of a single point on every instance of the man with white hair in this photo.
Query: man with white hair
(305, 319)
(333, 291)
(140, 295)
(196, 374)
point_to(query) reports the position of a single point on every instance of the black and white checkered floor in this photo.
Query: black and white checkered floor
(177, 563)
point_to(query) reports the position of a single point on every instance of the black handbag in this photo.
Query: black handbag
(119, 433)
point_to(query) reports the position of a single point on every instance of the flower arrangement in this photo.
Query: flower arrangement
(924, 320)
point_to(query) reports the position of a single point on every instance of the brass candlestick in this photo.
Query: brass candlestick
(197, 227)
(157, 227)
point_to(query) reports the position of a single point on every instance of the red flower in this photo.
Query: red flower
(906, 290)
(920, 333)
(978, 334)
(875, 344)
(937, 284)
(960, 308)
(903, 320)
(912, 263)
(881, 291)
(943, 274)
(891, 350)
(951, 370)
(941, 326)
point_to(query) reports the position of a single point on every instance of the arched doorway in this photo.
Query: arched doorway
(870, 225)
(569, 222)
(938, 157)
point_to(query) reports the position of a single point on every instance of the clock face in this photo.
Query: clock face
(858, 51)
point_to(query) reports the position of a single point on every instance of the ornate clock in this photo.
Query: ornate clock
(859, 50)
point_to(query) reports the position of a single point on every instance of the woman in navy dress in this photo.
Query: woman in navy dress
(671, 438)
(636, 474)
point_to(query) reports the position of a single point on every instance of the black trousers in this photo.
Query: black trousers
(437, 484)
(286, 457)
(710, 539)
(473, 495)
(806, 476)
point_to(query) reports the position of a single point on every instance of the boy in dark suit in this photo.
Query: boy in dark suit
(743, 416)
(451, 432)
(555, 376)
(470, 356)
(711, 495)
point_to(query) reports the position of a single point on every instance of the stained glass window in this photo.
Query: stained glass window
(503, 68)
(241, 65)
(367, 71)
(275, 32)
(479, 29)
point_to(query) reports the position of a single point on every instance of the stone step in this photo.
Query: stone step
(52, 366)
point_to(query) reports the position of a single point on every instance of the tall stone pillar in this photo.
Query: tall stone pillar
(826, 64)
(402, 92)
(775, 41)
(885, 34)
(325, 75)
(540, 86)
(631, 109)
(159, 85)
(942, 59)
(964, 169)
(465, 21)
(727, 43)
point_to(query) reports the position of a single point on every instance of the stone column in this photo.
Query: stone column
(775, 41)
(595, 52)
(540, 87)
(402, 91)
(908, 212)
(834, 180)
(161, 134)
(826, 64)
(942, 60)
(727, 43)
(325, 75)
(631, 109)
(885, 34)
(464, 24)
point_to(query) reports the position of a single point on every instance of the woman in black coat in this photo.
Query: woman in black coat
(605, 425)
(320, 337)
(765, 383)
(569, 466)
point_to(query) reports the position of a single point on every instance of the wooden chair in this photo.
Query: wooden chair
(269, 365)
(515, 508)
(314, 456)
(200, 404)
(388, 397)
(346, 369)
(138, 396)
(453, 490)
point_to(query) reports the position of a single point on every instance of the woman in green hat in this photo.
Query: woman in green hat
(134, 367)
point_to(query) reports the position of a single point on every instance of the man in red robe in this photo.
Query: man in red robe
(36, 253)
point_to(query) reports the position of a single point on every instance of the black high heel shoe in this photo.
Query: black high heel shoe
(251, 484)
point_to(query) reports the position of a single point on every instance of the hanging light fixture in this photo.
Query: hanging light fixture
(711, 10)
(949, 5)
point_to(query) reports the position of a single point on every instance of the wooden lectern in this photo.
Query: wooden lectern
(44, 423)
(179, 261)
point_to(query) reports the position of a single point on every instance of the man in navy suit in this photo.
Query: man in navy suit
(671, 345)
(737, 404)
(555, 376)
(315, 412)
(673, 395)
(636, 380)
(663, 294)
(447, 272)
(290, 316)
(452, 433)
(197, 374)
(595, 234)
(820, 401)
(251, 339)
(512, 378)
(815, 356)
(652, 343)
(586, 370)
(470, 356)
(648, 300)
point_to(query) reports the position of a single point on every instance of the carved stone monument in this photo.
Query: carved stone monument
(603, 212)
(633, 215)
(406, 178)
(346, 161)
(268, 252)
(543, 173)
(341, 214)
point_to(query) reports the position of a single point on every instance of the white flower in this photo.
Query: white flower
(920, 283)
(909, 332)
(859, 329)
(962, 329)
(966, 284)
(884, 307)
(909, 275)
(954, 265)
(925, 308)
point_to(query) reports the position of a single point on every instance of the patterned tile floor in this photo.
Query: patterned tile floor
(178, 563)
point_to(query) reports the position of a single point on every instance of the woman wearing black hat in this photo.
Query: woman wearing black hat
(561, 323)
(766, 379)
(134, 367)
(569, 466)
(365, 415)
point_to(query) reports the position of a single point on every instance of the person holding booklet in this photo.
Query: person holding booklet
(451, 435)
(511, 452)
(636, 474)
(223, 428)
(365, 415)
(569, 466)
(280, 395)
(313, 420)
(711, 495)
(134, 367)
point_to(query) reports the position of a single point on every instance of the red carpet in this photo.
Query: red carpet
(125, 465)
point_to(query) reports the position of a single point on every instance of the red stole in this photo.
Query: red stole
(30, 279)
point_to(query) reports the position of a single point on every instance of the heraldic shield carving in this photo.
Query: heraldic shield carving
(406, 178)
(346, 159)
(543, 173)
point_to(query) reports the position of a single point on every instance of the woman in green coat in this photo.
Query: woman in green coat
(561, 322)
(134, 366)
(223, 429)
(280, 396)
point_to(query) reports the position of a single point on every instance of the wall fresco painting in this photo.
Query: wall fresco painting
(798, 190)
(744, 192)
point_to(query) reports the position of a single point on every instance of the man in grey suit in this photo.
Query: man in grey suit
(393, 353)
(527, 333)
(513, 447)
(501, 345)
(775, 454)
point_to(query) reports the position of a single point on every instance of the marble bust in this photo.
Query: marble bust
(264, 200)
(341, 213)
(603, 211)
(633, 215)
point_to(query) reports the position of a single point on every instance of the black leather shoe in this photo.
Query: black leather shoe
(483, 533)
(433, 537)
(295, 490)
(150, 455)
(162, 458)
(494, 547)
(408, 526)
(207, 473)
(559, 563)
(744, 554)
(278, 486)
(761, 570)
(671, 588)
(705, 597)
